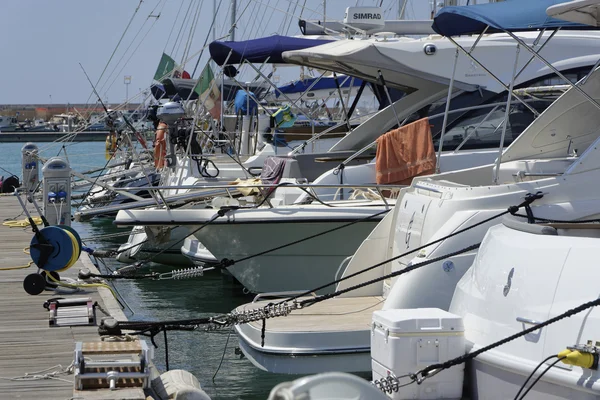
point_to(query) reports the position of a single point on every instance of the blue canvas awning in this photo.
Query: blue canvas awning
(323, 84)
(509, 15)
(267, 49)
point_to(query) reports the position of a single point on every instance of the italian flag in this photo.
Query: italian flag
(208, 92)
(165, 67)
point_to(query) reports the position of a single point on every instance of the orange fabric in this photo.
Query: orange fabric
(160, 145)
(404, 153)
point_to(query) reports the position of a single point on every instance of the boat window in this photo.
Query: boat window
(483, 127)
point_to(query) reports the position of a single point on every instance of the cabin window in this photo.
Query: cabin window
(483, 126)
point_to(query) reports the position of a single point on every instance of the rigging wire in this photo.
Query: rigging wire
(116, 47)
(173, 27)
(133, 53)
(184, 23)
(116, 65)
(212, 23)
(193, 26)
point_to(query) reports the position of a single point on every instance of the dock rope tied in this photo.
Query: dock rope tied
(286, 306)
(392, 383)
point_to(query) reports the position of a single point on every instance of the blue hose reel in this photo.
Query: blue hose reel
(53, 249)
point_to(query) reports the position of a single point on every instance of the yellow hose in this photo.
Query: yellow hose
(74, 254)
(81, 285)
(22, 223)
(26, 251)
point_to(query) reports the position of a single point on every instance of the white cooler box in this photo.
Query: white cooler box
(406, 341)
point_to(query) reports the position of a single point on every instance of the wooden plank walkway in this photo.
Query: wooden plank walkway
(28, 346)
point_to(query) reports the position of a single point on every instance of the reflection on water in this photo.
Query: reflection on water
(198, 352)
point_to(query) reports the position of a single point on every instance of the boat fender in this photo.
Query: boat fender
(178, 384)
(160, 145)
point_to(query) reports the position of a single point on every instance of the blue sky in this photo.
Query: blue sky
(43, 41)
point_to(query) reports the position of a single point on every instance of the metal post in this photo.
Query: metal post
(556, 71)
(490, 73)
(506, 114)
(233, 17)
(475, 129)
(445, 122)
(540, 49)
(357, 99)
(276, 88)
(324, 12)
(214, 26)
(339, 89)
(387, 93)
(585, 78)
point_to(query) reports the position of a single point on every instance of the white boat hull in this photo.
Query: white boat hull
(302, 266)
(137, 248)
(246, 232)
(522, 274)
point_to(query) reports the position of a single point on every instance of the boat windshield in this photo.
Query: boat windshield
(482, 127)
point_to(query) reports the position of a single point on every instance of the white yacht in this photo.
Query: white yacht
(410, 69)
(555, 155)
(8, 123)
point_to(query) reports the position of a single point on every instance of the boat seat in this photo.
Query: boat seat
(338, 327)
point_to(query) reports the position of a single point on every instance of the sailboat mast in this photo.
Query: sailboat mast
(401, 8)
(214, 27)
(233, 17)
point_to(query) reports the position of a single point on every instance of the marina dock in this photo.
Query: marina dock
(30, 349)
(95, 136)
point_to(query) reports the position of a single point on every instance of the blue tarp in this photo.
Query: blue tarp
(509, 15)
(245, 103)
(259, 50)
(323, 84)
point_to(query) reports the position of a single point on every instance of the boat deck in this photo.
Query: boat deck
(338, 314)
(28, 345)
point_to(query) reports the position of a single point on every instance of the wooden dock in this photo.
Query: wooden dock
(30, 350)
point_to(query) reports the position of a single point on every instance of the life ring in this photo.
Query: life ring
(160, 146)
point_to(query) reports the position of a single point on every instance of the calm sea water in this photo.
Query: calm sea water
(198, 352)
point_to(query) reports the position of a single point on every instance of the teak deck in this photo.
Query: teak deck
(28, 344)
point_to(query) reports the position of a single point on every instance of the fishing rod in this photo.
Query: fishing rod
(109, 118)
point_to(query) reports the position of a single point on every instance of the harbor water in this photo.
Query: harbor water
(200, 352)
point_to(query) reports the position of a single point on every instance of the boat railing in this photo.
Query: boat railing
(382, 192)
(279, 295)
(301, 147)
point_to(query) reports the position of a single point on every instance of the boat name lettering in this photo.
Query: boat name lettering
(366, 16)
(475, 75)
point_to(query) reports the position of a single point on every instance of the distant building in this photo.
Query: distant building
(46, 111)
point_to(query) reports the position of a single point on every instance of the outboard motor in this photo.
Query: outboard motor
(170, 113)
